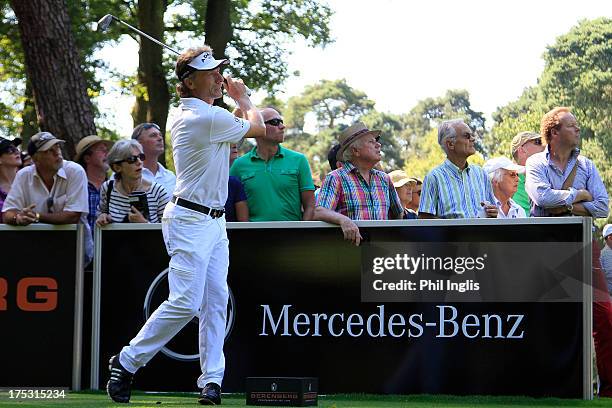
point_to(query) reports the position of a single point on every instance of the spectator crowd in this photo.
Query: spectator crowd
(544, 175)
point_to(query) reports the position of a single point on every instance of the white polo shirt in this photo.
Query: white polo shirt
(163, 176)
(201, 135)
(69, 191)
(515, 211)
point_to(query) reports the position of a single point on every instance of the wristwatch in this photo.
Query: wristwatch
(37, 217)
(570, 208)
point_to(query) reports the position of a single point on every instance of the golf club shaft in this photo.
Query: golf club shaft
(147, 36)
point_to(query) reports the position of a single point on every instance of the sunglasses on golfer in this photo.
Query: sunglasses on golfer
(274, 122)
(132, 159)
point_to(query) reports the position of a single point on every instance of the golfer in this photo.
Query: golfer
(193, 225)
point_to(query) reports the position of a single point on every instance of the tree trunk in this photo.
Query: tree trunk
(152, 103)
(52, 60)
(28, 116)
(218, 26)
(219, 30)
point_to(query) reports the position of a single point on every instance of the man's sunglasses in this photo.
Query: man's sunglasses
(274, 122)
(132, 159)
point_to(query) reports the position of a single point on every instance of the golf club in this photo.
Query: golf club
(103, 24)
(105, 21)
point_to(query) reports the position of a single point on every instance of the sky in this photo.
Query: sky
(400, 51)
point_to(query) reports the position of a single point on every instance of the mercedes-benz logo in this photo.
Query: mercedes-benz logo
(273, 386)
(154, 290)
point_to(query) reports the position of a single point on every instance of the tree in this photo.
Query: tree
(332, 103)
(521, 115)
(153, 95)
(17, 110)
(60, 92)
(392, 146)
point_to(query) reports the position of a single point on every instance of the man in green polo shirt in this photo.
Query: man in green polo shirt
(277, 180)
(523, 146)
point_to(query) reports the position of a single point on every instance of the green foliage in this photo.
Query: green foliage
(392, 145)
(332, 103)
(12, 72)
(262, 32)
(521, 115)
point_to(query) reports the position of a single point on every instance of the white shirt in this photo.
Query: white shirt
(201, 137)
(515, 211)
(69, 191)
(163, 176)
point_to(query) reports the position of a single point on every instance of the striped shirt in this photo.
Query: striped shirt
(157, 198)
(449, 192)
(346, 191)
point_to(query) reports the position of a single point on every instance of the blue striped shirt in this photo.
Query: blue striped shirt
(449, 192)
(544, 181)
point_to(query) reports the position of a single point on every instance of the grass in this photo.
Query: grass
(99, 399)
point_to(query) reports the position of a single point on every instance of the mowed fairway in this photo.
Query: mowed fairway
(332, 401)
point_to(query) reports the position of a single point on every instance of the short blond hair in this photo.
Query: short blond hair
(550, 121)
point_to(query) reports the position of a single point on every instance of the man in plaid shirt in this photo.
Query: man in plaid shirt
(357, 191)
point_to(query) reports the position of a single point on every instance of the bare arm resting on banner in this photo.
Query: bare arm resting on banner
(349, 228)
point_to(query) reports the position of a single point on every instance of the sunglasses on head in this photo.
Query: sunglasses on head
(143, 127)
(10, 150)
(274, 122)
(132, 159)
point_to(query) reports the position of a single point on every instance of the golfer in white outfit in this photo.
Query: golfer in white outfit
(193, 225)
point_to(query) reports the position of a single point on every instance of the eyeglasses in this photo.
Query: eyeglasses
(142, 127)
(132, 159)
(537, 141)
(274, 122)
(469, 135)
(50, 205)
(416, 192)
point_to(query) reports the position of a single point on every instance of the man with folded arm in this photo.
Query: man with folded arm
(562, 182)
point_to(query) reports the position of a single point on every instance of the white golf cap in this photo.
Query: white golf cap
(203, 62)
(502, 163)
(607, 230)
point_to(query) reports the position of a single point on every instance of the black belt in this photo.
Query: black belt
(197, 207)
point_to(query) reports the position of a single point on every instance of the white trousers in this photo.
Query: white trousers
(199, 251)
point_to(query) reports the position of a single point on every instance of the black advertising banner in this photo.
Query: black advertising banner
(37, 306)
(297, 310)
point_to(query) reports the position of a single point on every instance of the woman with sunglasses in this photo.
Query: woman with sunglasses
(119, 198)
(10, 162)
